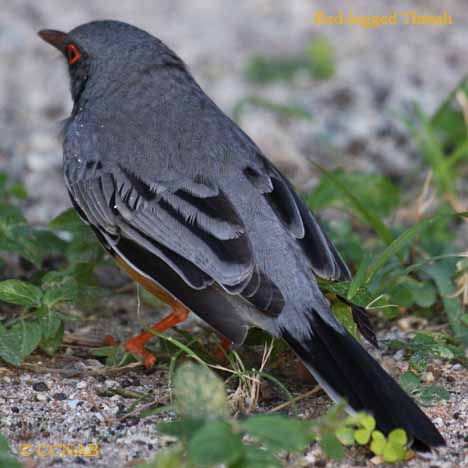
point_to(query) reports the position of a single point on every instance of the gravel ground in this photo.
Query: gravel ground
(380, 73)
(83, 401)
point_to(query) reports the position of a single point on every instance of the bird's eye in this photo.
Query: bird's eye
(73, 54)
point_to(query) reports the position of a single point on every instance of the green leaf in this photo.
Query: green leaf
(49, 242)
(433, 394)
(409, 381)
(331, 446)
(167, 458)
(49, 322)
(215, 444)
(393, 453)
(183, 429)
(17, 237)
(55, 296)
(398, 437)
(68, 220)
(345, 435)
(255, 457)
(19, 341)
(18, 191)
(448, 123)
(362, 297)
(266, 69)
(51, 343)
(345, 315)
(20, 293)
(362, 436)
(9, 461)
(442, 274)
(378, 443)
(3, 181)
(4, 445)
(398, 244)
(320, 54)
(361, 206)
(407, 291)
(10, 217)
(279, 433)
(283, 110)
(199, 393)
(367, 421)
(360, 277)
(418, 361)
(84, 250)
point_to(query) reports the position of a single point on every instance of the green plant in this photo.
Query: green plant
(411, 267)
(209, 436)
(283, 110)
(7, 460)
(427, 394)
(316, 60)
(44, 295)
(442, 138)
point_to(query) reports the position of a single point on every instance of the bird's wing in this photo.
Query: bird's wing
(297, 217)
(194, 229)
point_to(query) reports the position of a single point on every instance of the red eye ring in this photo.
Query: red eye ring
(73, 54)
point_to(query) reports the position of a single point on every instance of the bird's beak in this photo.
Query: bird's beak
(58, 39)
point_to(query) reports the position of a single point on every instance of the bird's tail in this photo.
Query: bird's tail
(345, 370)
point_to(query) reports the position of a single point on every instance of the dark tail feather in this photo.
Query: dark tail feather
(345, 369)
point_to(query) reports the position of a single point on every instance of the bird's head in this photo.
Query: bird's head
(104, 54)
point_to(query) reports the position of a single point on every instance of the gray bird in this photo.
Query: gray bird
(189, 206)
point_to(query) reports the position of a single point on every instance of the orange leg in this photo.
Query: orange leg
(136, 344)
(179, 313)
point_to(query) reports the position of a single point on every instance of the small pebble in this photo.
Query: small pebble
(126, 383)
(94, 363)
(60, 396)
(81, 385)
(40, 387)
(438, 421)
(41, 397)
(428, 377)
(111, 383)
(73, 403)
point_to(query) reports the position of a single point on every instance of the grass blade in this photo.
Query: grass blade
(374, 222)
(402, 240)
(360, 277)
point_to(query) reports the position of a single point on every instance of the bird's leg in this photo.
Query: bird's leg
(179, 313)
(136, 344)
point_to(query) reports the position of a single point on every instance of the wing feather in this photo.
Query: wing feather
(299, 220)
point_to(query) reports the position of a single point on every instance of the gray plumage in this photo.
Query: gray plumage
(173, 186)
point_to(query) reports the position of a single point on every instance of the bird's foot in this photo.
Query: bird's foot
(136, 346)
(109, 340)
